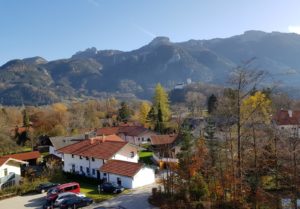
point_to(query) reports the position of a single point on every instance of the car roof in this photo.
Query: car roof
(67, 185)
(66, 193)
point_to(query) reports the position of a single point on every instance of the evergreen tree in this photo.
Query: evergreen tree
(26, 122)
(124, 112)
(211, 103)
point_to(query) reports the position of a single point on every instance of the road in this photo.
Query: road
(35, 201)
(135, 199)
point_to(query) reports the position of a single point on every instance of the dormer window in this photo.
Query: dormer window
(132, 154)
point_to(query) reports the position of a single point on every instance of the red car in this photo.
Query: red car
(68, 187)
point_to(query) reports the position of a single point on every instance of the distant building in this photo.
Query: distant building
(288, 122)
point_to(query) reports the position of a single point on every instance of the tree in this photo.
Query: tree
(26, 122)
(211, 103)
(124, 112)
(161, 101)
(143, 112)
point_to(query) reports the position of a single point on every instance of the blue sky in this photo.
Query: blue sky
(58, 28)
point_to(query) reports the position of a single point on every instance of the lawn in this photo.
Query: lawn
(91, 191)
(145, 157)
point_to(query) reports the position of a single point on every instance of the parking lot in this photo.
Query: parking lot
(135, 199)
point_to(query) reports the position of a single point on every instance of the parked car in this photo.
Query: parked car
(111, 188)
(66, 195)
(69, 187)
(45, 187)
(76, 202)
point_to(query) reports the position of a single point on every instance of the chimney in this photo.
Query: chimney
(103, 138)
(290, 112)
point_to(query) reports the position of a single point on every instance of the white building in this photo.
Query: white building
(288, 122)
(10, 171)
(127, 174)
(88, 156)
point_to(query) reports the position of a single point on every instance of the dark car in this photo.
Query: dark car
(45, 187)
(76, 202)
(111, 188)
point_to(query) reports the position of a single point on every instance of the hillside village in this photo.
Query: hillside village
(159, 147)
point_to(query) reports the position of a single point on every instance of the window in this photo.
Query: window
(81, 169)
(88, 170)
(104, 174)
(5, 172)
(87, 158)
(72, 156)
(73, 167)
(93, 159)
(93, 171)
(80, 157)
(131, 154)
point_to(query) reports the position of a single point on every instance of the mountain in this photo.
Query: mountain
(102, 73)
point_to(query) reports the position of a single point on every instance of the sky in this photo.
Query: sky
(56, 29)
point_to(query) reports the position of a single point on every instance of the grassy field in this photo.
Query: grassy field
(91, 191)
(145, 157)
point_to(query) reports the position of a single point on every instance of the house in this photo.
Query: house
(165, 148)
(10, 171)
(62, 141)
(30, 157)
(127, 174)
(288, 122)
(132, 133)
(90, 155)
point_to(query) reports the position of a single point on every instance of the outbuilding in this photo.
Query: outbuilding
(127, 174)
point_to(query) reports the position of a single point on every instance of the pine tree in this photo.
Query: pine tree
(124, 112)
(211, 103)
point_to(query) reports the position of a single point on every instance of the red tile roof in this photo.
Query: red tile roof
(127, 130)
(3, 160)
(122, 168)
(25, 155)
(96, 147)
(107, 131)
(163, 139)
(282, 117)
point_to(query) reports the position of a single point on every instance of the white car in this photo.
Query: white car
(66, 195)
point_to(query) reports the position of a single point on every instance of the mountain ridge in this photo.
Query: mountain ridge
(99, 73)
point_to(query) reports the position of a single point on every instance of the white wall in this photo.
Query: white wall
(141, 139)
(12, 167)
(126, 181)
(53, 151)
(144, 177)
(290, 130)
(69, 161)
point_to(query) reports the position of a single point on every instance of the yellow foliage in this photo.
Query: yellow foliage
(59, 107)
(256, 108)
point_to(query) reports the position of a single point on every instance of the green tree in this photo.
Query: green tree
(124, 112)
(26, 122)
(211, 103)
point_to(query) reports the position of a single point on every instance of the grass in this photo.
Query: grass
(145, 157)
(91, 191)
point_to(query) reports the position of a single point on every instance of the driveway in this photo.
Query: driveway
(135, 199)
(34, 201)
